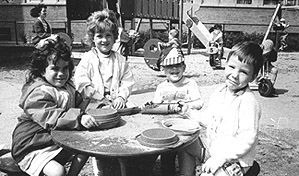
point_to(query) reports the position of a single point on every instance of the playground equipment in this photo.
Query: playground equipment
(153, 54)
(196, 26)
(265, 86)
(203, 34)
(214, 58)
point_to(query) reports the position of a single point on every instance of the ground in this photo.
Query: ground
(278, 147)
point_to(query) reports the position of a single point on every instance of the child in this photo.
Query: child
(49, 102)
(217, 36)
(270, 55)
(282, 25)
(181, 91)
(104, 75)
(234, 113)
(177, 88)
(173, 42)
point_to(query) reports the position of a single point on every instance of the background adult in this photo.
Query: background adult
(41, 28)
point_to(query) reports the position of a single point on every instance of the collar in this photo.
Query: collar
(181, 82)
(237, 93)
(100, 54)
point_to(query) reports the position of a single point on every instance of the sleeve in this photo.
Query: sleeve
(158, 94)
(126, 82)
(168, 44)
(82, 78)
(196, 100)
(39, 30)
(246, 136)
(43, 109)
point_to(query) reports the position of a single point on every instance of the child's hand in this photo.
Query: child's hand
(175, 108)
(118, 103)
(88, 121)
(212, 165)
(184, 107)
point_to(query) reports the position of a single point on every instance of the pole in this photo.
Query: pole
(181, 20)
(271, 22)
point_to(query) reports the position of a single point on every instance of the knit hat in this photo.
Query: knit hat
(174, 56)
(267, 46)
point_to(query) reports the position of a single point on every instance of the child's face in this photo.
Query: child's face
(104, 41)
(174, 72)
(217, 31)
(57, 75)
(238, 74)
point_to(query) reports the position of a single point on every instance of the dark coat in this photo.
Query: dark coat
(39, 31)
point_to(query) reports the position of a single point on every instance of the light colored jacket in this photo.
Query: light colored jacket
(233, 130)
(88, 78)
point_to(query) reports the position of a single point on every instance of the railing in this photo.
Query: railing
(20, 32)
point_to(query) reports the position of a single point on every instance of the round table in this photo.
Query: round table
(120, 142)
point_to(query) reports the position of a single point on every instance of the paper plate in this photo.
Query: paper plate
(158, 137)
(181, 126)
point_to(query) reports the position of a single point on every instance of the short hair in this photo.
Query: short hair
(35, 11)
(248, 52)
(101, 21)
(174, 33)
(51, 52)
(218, 26)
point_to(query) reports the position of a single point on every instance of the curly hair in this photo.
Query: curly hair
(51, 52)
(36, 10)
(101, 21)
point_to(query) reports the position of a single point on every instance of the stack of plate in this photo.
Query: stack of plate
(158, 137)
(106, 117)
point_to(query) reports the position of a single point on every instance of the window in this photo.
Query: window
(271, 2)
(290, 2)
(5, 34)
(244, 1)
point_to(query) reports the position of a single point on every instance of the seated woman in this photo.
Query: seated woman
(41, 28)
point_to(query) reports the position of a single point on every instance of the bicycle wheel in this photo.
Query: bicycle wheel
(265, 87)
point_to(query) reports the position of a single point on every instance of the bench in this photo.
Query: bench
(8, 164)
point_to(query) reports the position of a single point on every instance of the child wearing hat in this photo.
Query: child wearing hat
(173, 42)
(177, 87)
(179, 90)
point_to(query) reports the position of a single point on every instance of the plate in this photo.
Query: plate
(158, 137)
(181, 126)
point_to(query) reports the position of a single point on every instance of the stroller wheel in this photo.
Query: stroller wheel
(265, 87)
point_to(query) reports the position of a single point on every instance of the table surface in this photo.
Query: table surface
(120, 141)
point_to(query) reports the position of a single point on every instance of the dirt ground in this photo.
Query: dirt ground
(278, 147)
